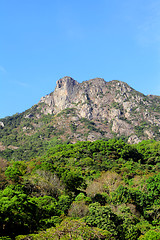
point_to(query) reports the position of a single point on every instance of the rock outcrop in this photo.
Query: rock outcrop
(125, 111)
(2, 124)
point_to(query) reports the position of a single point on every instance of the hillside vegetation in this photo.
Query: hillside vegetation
(81, 165)
(87, 190)
(86, 111)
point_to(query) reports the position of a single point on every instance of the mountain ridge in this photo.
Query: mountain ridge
(87, 111)
(113, 101)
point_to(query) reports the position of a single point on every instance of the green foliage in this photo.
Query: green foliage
(87, 122)
(102, 217)
(64, 203)
(150, 149)
(15, 209)
(139, 130)
(151, 235)
(109, 184)
(129, 195)
(71, 229)
(153, 188)
(72, 180)
(15, 171)
(11, 123)
(73, 127)
(80, 197)
(128, 228)
(47, 211)
(67, 111)
(21, 213)
(5, 238)
(26, 136)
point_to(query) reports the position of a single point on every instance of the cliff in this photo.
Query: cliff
(114, 106)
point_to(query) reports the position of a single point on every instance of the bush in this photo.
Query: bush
(151, 235)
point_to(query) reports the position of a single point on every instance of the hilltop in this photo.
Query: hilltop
(91, 110)
(56, 182)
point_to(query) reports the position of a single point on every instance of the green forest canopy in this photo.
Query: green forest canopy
(87, 190)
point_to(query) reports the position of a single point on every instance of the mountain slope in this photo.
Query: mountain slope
(90, 110)
(114, 104)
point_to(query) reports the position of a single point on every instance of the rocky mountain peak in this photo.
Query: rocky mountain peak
(125, 111)
(90, 110)
(66, 87)
(97, 81)
(62, 96)
(66, 82)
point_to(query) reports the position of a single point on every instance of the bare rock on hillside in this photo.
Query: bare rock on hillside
(123, 110)
(2, 124)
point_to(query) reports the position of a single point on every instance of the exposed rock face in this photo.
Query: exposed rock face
(63, 95)
(125, 111)
(86, 111)
(2, 124)
(133, 139)
(69, 93)
(122, 128)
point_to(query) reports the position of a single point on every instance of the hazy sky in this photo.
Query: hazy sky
(42, 41)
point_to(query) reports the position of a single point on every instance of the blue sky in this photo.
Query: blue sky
(44, 40)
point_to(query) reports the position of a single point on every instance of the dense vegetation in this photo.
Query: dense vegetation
(88, 190)
(24, 136)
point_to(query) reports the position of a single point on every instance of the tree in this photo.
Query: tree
(151, 235)
(15, 171)
(102, 217)
(72, 180)
(71, 229)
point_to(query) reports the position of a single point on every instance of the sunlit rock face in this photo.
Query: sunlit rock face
(123, 110)
(2, 124)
